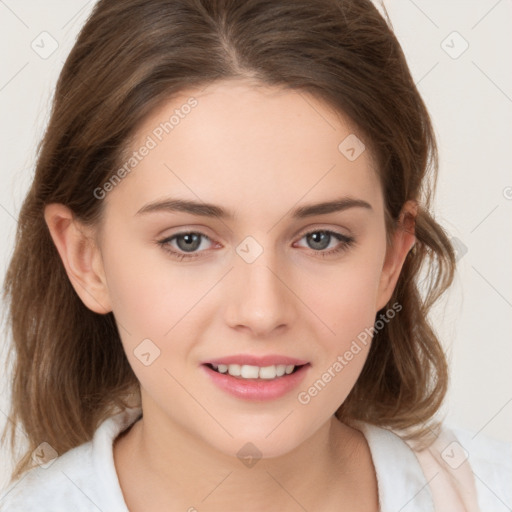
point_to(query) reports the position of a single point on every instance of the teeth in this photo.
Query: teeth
(234, 369)
(247, 371)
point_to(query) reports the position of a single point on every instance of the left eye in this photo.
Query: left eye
(320, 240)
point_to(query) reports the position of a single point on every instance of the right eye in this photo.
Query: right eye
(187, 244)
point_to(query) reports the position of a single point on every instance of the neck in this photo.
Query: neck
(175, 467)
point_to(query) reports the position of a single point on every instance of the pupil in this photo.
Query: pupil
(192, 242)
(318, 240)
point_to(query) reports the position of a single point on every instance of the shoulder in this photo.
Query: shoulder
(67, 479)
(468, 470)
(490, 461)
(83, 479)
(459, 469)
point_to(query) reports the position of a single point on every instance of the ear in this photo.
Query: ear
(402, 242)
(80, 255)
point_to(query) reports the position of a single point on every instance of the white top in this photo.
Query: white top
(84, 479)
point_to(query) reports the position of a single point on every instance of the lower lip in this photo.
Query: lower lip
(257, 389)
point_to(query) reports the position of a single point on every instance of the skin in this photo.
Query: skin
(259, 152)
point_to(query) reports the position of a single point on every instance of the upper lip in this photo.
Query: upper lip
(262, 361)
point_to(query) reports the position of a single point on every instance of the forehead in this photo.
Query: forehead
(245, 145)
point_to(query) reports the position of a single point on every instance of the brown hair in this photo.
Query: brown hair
(70, 371)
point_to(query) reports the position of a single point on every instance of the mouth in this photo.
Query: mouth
(256, 382)
(252, 372)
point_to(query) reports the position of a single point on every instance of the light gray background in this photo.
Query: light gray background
(470, 101)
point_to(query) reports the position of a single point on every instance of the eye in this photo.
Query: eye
(187, 243)
(319, 240)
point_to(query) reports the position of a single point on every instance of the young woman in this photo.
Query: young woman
(214, 294)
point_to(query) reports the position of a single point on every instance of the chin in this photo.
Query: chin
(268, 439)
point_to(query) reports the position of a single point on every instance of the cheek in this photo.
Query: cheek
(344, 299)
(345, 302)
(157, 306)
(150, 304)
(347, 307)
(149, 294)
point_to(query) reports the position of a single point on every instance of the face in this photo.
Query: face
(261, 280)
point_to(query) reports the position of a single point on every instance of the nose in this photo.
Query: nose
(259, 298)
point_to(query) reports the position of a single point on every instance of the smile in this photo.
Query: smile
(247, 371)
(256, 383)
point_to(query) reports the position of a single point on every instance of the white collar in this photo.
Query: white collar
(400, 479)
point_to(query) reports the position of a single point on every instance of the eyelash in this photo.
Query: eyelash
(345, 243)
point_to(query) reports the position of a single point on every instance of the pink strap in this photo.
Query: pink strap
(447, 469)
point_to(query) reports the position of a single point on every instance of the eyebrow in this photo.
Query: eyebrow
(212, 210)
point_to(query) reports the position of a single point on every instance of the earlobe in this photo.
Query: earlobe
(80, 256)
(403, 239)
